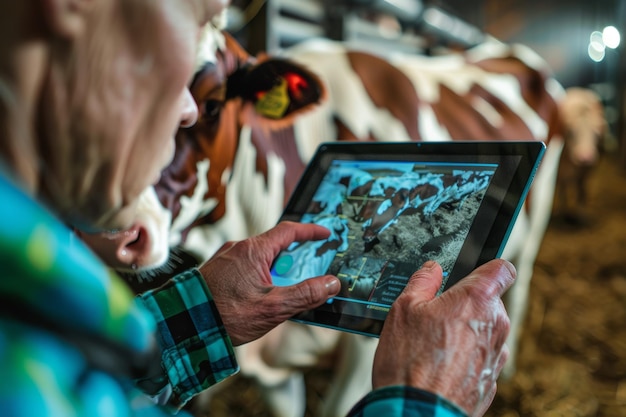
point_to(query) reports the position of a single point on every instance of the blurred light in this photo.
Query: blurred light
(611, 37)
(595, 41)
(596, 54)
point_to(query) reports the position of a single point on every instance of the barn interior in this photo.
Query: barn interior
(573, 350)
(567, 34)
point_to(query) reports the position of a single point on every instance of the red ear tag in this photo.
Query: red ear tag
(274, 102)
(297, 84)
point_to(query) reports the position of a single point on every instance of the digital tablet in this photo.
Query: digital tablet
(392, 206)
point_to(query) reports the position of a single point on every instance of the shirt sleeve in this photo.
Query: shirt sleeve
(197, 351)
(404, 402)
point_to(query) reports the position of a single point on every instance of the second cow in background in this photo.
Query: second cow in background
(587, 137)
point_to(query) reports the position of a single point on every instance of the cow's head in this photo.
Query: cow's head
(234, 92)
(584, 126)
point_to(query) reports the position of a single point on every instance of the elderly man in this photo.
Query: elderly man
(91, 92)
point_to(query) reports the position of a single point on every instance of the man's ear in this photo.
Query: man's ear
(66, 18)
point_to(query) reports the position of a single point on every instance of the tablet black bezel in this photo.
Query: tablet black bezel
(501, 204)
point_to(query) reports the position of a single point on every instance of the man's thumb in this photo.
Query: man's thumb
(425, 282)
(310, 293)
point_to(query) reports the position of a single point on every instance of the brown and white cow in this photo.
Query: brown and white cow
(587, 137)
(234, 170)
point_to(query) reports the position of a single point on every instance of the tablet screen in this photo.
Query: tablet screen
(390, 207)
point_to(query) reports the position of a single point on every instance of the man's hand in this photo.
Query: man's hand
(238, 276)
(452, 345)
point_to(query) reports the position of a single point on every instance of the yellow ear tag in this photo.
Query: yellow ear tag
(274, 103)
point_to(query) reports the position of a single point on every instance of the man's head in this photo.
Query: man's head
(110, 92)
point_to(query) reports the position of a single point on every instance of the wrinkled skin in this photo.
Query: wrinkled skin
(251, 307)
(92, 80)
(453, 344)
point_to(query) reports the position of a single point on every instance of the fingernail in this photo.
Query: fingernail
(429, 265)
(331, 285)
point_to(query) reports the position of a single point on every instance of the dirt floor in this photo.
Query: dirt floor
(573, 350)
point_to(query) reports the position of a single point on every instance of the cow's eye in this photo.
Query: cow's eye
(211, 110)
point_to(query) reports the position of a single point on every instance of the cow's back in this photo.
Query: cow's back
(492, 92)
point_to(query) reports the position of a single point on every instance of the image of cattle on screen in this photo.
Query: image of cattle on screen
(386, 218)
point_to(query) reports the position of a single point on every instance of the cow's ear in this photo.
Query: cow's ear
(280, 88)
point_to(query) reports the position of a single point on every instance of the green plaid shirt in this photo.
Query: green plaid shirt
(197, 353)
(400, 401)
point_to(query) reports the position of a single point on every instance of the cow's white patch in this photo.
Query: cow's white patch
(313, 128)
(487, 111)
(492, 48)
(529, 57)
(194, 207)
(211, 40)
(429, 127)
(507, 89)
(555, 89)
(252, 206)
(428, 74)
